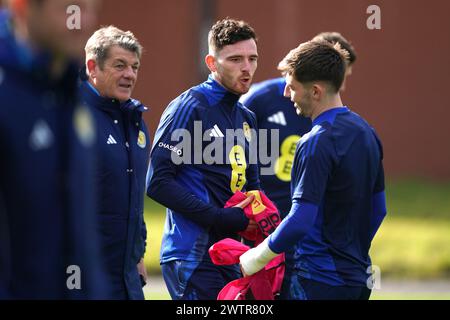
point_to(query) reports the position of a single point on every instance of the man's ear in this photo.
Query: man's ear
(317, 91)
(91, 68)
(210, 61)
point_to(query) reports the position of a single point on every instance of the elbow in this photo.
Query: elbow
(152, 191)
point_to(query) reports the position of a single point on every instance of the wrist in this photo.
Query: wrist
(255, 259)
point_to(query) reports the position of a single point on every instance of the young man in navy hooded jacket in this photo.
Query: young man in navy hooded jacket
(48, 243)
(112, 63)
(196, 189)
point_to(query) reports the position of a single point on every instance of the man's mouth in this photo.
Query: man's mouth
(245, 80)
(125, 86)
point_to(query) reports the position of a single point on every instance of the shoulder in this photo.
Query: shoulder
(183, 109)
(318, 141)
(366, 128)
(350, 128)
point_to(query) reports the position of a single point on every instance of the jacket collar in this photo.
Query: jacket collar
(93, 98)
(216, 93)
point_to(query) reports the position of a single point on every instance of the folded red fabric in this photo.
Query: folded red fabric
(227, 252)
(263, 285)
(255, 287)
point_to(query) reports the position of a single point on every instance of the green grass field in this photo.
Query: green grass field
(412, 243)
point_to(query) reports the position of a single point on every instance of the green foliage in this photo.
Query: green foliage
(418, 198)
(412, 248)
(413, 241)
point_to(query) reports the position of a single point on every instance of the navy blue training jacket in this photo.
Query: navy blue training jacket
(123, 147)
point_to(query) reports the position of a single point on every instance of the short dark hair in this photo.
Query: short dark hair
(336, 37)
(229, 31)
(316, 60)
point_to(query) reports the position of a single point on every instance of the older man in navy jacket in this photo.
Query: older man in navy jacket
(48, 243)
(112, 63)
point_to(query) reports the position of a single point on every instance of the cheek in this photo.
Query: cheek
(110, 83)
(228, 74)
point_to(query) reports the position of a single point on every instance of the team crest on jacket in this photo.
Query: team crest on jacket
(142, 141)
(247, 132)
(84, 125)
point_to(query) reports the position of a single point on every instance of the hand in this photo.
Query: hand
(245, 202)
(142, 271)
(252, 225)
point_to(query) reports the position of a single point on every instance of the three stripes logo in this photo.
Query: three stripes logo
(216, 132)
(278, 118)
(111, 140)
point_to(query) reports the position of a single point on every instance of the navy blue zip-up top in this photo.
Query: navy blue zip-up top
(47, 196)
(196, 190)
(123, 149)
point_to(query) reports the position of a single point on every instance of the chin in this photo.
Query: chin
(243, 90)
(123, 97)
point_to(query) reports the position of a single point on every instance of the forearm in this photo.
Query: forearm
(291, 230)
(176, 197)
(294, 227)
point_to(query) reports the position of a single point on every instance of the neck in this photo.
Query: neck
(328, 103)
(221, 84)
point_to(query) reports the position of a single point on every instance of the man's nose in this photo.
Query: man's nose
(246, 65)
(129, 72)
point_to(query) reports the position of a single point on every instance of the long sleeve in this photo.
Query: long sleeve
(294, 227)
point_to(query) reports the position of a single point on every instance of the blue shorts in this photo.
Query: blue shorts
(296, 287)
(187, 280)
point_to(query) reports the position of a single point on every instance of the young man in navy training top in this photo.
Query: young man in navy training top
(112, 62)
(337, 188)
(48, 243)
(194, 187)
(274, 111)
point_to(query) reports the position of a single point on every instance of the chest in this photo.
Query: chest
(122, 140)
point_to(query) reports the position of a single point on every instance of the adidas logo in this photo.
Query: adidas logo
(111, 140)
(278, 118)
(215, 132)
